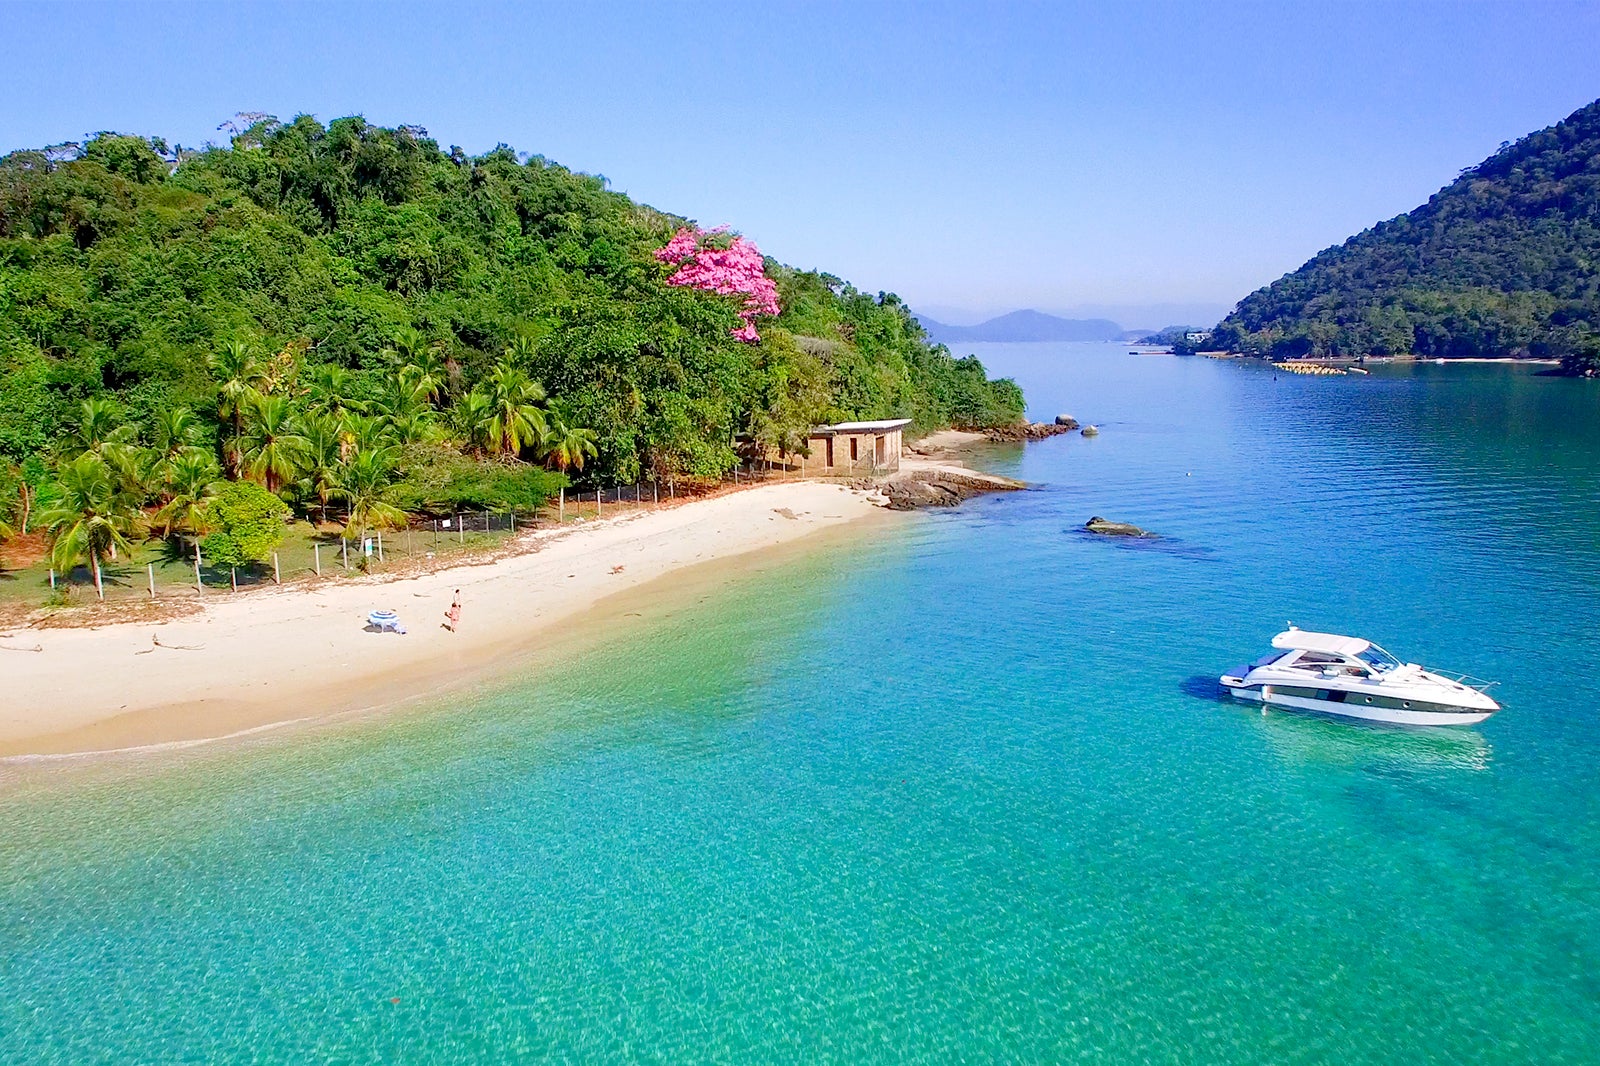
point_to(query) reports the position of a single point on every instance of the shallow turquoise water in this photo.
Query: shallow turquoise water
(962, 793)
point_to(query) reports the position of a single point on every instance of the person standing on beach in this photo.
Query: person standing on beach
(452, 617)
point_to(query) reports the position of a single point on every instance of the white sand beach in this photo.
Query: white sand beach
(303, 651)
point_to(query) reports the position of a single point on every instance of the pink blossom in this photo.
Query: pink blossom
(738, 268)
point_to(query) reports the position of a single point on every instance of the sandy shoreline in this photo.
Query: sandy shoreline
(294, 654)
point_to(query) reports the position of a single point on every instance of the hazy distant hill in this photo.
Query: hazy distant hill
(1505, 260)
(1025, 326)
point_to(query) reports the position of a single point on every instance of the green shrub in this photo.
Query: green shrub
(249, 523)
(438, 480)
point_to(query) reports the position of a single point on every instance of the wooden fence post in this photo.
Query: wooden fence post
(316, 555)
(151, 569)
(52, 579)
(99, 582)
(277, 575)
(199, 583)
(380, 545)
(233, 577)
(344, 550)
(461, 530)
(563, 511)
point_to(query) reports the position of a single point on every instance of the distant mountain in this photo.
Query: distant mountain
(1505, 260)
(1024, 326)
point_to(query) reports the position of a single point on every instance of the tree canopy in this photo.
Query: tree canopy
(289, 275)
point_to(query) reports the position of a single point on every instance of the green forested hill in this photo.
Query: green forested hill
(1503, 261)
(372, 283)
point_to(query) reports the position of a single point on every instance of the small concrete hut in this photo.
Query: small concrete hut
(855, 449)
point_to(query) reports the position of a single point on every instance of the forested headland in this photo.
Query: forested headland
(1504, 261)
(352, 322)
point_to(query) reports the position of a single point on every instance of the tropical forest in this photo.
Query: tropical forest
(1502, 262)
(348, 325)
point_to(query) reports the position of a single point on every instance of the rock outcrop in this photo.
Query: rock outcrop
(1106, 528)
(941, 487)
(1032, 430)
(1091, 431)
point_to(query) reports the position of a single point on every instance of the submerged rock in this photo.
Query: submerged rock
(1106, 528)
(1091, 431)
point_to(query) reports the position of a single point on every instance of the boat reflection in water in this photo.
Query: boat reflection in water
(1314, 740)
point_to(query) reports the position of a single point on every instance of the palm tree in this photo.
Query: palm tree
(174, 431)
(272, 444)
(421, 362)
(367, 434)
(403, 396)
(429, 377)
(240, 372)
(96, 430)
(88, 516)
(329, 392)
(419, 428)
(192, 479)
(514, 422)
(568, 447)
(362, 489)
(322, 461)
(471, 417)
(98, 436)
(521, 352)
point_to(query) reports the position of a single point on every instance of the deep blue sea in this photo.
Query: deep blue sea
(958, 789)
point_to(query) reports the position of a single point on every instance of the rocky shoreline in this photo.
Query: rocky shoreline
(1026, 431)
(941, 486)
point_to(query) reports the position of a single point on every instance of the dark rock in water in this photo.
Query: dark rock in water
(1031, 430)
(1091, 431)
(1114, 529)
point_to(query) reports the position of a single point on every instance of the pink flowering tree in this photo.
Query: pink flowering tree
(703, 263)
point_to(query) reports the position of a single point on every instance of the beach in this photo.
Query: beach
(303, 652)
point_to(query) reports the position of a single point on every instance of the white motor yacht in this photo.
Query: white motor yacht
(1357, 679)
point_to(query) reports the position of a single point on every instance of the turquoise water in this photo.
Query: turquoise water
(962, 792)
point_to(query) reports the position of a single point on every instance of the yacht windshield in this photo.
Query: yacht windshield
(1378, 659)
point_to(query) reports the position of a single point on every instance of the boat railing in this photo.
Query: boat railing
(1467, 679)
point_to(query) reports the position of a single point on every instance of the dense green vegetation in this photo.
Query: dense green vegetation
(363, 325)
(1503, 261)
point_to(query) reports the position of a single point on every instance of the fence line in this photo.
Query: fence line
(168, 572)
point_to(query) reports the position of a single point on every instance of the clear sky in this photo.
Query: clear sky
(1152, 162)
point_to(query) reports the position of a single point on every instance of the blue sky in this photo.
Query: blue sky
(1150, 162)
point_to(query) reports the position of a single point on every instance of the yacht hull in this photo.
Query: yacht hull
(1354, 706)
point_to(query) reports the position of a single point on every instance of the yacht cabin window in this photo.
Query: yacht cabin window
(1378, 659)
